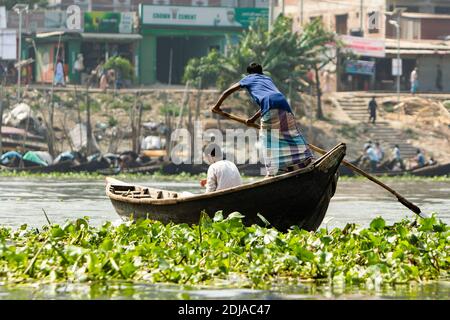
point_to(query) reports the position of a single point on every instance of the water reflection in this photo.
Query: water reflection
(124, 290)
(357, 201)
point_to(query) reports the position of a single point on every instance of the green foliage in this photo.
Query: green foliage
(348, 131)
(447, 104)
(206, 70)
(388, 107)
(170, 109)
(94, 105)
(120, 64)
(222, 248)
(411, 134)
(285, 56)
(112, 122)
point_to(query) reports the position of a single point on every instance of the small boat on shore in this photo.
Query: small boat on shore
(298, 198)
(58, 167)
(426, 171)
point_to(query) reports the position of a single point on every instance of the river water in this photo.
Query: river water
(22, 201)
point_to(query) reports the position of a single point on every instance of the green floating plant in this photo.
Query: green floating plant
(223, 250)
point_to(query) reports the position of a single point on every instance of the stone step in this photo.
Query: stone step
(352, 103)
(354, 110)
(354, 106)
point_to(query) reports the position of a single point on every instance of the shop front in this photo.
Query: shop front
(102, 35)
(109, 34)
(172, 35)
(357, 66)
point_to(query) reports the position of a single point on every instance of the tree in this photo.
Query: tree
(286, 56)
(121, 65)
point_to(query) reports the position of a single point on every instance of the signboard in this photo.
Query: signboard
(8, 44)
(48, 20)
(364, 47)
(201, 16)
(360, 67)
(397, 67)
(126, 22)
(373, 22)
(55, 19)
(45, 56)
(245, 16)
(2, 18)
(108, 22)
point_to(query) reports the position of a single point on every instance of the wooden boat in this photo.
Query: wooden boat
(92, 166)
(170, 168)
(297, 198)
(58, 167)
(427, 171)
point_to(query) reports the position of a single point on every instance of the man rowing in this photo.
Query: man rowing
(285, 148)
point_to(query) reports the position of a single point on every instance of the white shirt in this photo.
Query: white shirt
(379, 152)
(414, 76)
(222, 174)
(372, 154)
(396, 153)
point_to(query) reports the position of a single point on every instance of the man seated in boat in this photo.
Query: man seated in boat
(284, 147)
(419, 159)
(222, 174)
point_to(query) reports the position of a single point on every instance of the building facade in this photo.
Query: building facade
(176, 32)
(424, 31)
(157, 36)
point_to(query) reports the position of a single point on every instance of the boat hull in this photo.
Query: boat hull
(299, 198)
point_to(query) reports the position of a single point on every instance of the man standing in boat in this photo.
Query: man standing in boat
(285, 148)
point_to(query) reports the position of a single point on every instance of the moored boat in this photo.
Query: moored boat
(58, 167)
(298, 198)
(426, 171)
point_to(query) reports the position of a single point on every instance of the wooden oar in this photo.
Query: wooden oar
(399, 197)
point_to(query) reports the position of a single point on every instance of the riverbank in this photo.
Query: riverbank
(111, 115)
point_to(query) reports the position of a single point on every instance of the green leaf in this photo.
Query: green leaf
(264, 220)
(235, 215)
(377, 224)
(218, 216)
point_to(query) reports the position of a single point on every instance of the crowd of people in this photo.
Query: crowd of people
(374, 159)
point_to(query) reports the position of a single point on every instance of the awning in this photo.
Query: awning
(111, 36)
(49, 34)
(416, 52)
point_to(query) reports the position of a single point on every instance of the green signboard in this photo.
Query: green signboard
(201, 16)
(108, 22)
(245, 16)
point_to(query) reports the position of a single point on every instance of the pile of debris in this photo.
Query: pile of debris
(422, 111)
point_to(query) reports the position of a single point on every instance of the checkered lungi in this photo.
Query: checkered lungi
(284, 147)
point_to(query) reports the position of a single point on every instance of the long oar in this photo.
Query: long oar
(399, 197)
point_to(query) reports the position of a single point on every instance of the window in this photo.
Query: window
(442, 10)
(246, 3)
(341, 24)
(315, 18)
(412, 9)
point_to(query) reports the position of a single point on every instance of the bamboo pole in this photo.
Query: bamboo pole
(399, 197)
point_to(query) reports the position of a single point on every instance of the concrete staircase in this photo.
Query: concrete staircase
(356, 107)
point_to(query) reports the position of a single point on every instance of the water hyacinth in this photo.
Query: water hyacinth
(222, 250)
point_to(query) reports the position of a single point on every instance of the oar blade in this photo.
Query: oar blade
(411, 206)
